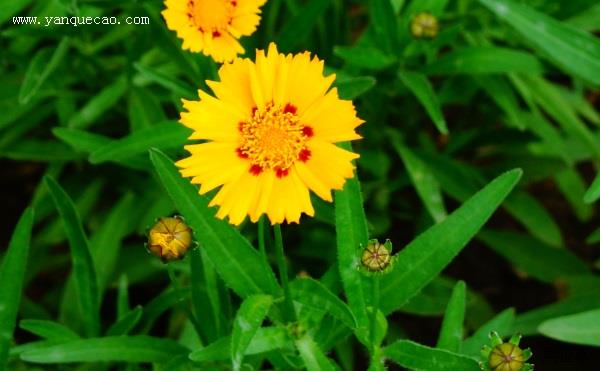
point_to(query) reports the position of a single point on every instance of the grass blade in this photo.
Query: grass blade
(48, 329)
(298, 28)
(12, 274)
(83, 266)
(238, 263)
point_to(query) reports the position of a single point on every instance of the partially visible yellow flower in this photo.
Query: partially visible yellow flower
(213, 26)
(270, 132)
(169, 238)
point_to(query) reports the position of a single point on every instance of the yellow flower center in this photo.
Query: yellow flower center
(273, 139)
(211, 15)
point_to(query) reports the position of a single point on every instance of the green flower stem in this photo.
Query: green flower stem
(375, 308)
(289, 312)
(176, 286)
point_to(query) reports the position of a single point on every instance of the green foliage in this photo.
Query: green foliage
(89, 134)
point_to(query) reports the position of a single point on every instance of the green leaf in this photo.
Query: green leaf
(501, 323)
(425, 183)
(248, 319)
(451, 333)
(144, 109)
(593, 193)
(203, 286)
(299, 27)
(41, 66)
(572, 187)
(421, 87)
(175, 86)
(11, 8)
(352, 87)
(364, 57)
(161, 136)
(106, 242)
(12, 274)
(38, 150)
(48, 329)
(134, 349)
(528, 322)
(581, 328)
(83, 266)
(100, 103)
(238, 263)
(542, 262)
(313, 357)
(266, 339)
(576, 51)
(484, 60)
(314, 294)
(351, 231)
(126, 322)
(416, 356)
(384, 25)
(425, 257)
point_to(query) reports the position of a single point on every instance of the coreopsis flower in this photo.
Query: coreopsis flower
(270, 131)
(213, 26)
(169, 238)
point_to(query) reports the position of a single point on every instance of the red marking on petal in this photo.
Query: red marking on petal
(255, 169)
(304, 155)
(234, 3)
(290, 108)
(281, 172)
(241, 153)
(254, 110)
(241, 125)
(216, 34)
(308, 131)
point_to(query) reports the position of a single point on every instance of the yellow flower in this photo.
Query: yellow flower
(213, 26)
(270, 132)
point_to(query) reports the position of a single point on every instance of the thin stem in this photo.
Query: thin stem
(375, 308)
(289, 313)
(261, 237)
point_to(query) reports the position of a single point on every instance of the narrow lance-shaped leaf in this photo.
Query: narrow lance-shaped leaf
(312, 293)
(298, 28)
(576, 51)
(351, 231)
(240, 265)
(83, 266)
(502, 323)
(425, 257)
(593, 193)
(134, 349)
(48, 329)
(581, 328)
(12, 274)
(419, 357)
(248, 319)
(162, 136)
(41, 66)
(422, 89)
(452, 326)
(313, 357)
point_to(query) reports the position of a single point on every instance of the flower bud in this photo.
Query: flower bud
(505, 356)
(169, 238)
(424, 25)
(377, 257)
